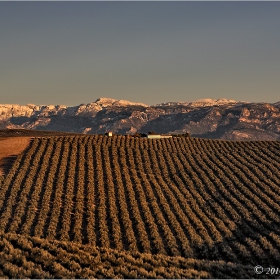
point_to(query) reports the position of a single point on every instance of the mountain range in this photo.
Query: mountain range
(207, 118)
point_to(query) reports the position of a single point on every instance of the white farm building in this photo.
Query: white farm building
(158, 136)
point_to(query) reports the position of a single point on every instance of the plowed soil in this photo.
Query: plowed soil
(9, 149)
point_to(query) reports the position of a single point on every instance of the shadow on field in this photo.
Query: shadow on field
(7, 163)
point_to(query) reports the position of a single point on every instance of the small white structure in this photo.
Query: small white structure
(158, 136)
(153, 136)
(110, 133)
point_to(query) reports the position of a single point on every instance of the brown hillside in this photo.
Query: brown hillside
(9, 149)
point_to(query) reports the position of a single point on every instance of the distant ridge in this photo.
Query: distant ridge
(207, 118)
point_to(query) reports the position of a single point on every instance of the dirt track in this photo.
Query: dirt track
(11, 146)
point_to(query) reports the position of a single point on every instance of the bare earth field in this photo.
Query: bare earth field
(9, 148)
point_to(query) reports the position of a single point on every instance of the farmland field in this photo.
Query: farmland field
(140, 208)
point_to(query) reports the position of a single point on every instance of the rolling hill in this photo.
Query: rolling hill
(140, 208)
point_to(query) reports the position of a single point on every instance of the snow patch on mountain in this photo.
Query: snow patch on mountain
(105, 102)
(211, 102)
(201, 102)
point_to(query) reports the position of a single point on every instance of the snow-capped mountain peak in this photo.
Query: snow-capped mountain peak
(104, 102)
(201, 102)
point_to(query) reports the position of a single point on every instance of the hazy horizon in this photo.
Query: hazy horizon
(150, 52)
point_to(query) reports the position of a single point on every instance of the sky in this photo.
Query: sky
(151, 52)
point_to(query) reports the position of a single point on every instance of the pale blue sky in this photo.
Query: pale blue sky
(151, 52)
